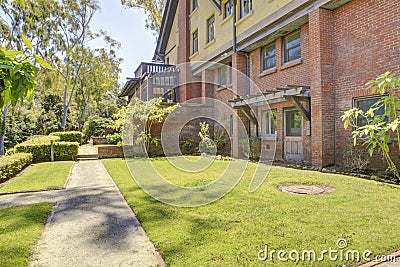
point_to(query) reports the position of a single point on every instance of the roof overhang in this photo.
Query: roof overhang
(166, 27)
(130, 86)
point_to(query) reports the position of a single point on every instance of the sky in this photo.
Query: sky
(127, 26)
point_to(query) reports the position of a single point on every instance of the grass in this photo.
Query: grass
(42, 176)
(20, 228)
(231, 231)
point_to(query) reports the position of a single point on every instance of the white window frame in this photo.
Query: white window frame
(267, 115)
(245, 4)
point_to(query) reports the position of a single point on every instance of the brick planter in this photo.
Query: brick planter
(110, 151)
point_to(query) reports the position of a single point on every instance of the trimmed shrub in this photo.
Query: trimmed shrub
(40, 148)
(13, 164)
(114, 139)
(72, 136)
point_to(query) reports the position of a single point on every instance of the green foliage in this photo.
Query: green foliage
(95, 127)
(251, 147)
(40, 148)
(21, 124)
(379, 129)
(72, 136)
(207, 144)
(114, 139)
(139, 118)
(13, 164)
(188, 145)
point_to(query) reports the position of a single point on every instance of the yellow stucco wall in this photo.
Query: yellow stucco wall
(172, 46)
(224, 27)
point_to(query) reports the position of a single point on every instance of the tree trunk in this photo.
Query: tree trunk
(65, 109)
(80, 124)
(3, 129)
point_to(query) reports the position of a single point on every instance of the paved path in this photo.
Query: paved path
(91, 225)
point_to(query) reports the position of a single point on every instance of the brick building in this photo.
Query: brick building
(309, 58)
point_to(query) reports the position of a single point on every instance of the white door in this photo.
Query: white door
(293, 142)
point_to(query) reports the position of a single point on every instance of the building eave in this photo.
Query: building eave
(165, 29)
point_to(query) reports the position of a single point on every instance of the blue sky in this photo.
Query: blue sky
(127, 26)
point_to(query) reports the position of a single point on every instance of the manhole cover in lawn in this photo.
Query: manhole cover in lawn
(303, 190)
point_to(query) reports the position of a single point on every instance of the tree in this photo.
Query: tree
(153, 10)
(140, 116)
(379, 130)
(17, 81)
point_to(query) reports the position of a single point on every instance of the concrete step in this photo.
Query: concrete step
(88, 156)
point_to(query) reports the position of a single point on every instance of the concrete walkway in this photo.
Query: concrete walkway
(91, 224)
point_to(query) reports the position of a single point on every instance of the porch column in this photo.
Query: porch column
(239, 87)
(322, 90)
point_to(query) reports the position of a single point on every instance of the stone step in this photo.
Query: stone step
(87, 156)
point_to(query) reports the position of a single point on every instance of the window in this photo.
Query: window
(268, 123)
(222, 79)
(195, 42)
(246, 6)
(293, 123)
(228, 8)
(291, 47)
(195, 4)
(268, 57)
(167, 61)
(158, 92)
(365, 104)
(210, 29)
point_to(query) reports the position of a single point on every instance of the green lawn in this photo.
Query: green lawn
(231, 231)
(20, 229)
(42, 176)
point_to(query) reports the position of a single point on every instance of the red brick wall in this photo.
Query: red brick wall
(297, 75)
(366, 44)
(322, 91)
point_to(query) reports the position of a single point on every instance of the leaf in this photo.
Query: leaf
(27, 42)
(43, 63)
(21, 3)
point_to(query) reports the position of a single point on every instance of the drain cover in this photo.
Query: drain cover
(303, 190)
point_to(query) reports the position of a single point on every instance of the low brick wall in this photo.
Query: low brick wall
(110, 151)
(99, 140)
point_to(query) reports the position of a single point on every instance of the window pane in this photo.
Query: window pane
(195, 42)
(228, 8)
(222, 79)
(292, 47)
(158, 92)
(273, 122)
(245, 7)
(294, 53)
(365, 105)
(269, 56)
(210, 24)
(293, 123)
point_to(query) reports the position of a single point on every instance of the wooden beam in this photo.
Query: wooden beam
(247, 112)
(299, 86)
(271, 91)
(282, 89)
(296, 101)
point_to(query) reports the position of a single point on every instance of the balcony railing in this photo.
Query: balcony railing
(153, 68)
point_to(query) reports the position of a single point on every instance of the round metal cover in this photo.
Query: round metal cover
(303, 190)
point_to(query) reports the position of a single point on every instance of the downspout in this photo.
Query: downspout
(234, 39)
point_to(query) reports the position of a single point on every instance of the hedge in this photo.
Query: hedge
(40, 148)
(13, 164)
(69, 136)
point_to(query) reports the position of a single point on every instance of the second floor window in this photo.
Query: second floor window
(210, 29)
(228, 8)
(195, 4)
(291, 47)
(268, 57)
(246, 6)
(195, 42)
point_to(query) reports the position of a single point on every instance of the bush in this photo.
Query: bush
(253, 149)
(95, 127)
(40, 148)
(114, 139)
(13, 164)
(72, 136)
